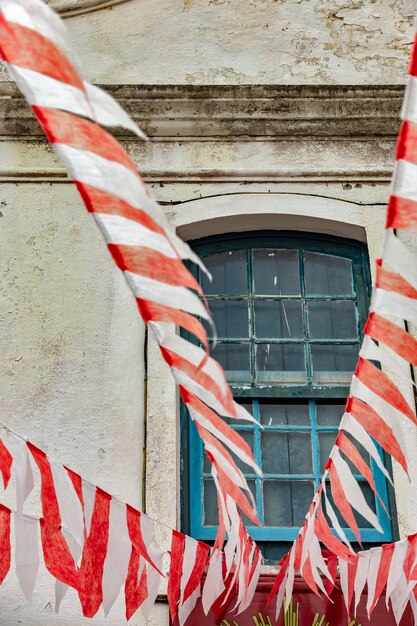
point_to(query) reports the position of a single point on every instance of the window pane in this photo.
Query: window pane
(329, 414)
(228, 271)
(327, 275)
(234, 358)
(286, 453)
(280, 363)
(278, 319)
(332, 319)
(294, 414)
(230, 318)
(276, 272)
(334, 364)
(286, 502)
(326, 441)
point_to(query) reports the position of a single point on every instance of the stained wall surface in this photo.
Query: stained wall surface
(275, 154)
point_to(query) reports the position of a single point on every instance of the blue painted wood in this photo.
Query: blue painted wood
(193, 456)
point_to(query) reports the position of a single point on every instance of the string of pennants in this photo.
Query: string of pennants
(375, 411)
(96, 544)
(71, 112)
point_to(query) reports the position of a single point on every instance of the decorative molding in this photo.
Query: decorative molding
(69, 8)
(237, 113)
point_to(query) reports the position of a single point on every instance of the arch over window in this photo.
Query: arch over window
(289, 310)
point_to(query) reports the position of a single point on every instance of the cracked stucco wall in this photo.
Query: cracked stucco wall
(246, 41)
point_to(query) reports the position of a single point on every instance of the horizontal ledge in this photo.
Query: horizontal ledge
(239, 110)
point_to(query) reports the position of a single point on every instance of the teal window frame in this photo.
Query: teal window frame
(192, 470)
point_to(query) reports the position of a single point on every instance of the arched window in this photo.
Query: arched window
(289, 309)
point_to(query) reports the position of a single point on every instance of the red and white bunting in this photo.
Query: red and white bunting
(71, 112)
(375, 411)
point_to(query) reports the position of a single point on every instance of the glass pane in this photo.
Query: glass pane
(280, 363)
(278, 319)
(294, 414)
(326, 442)
(248, 437)
(286, 502)
(286, 453)
(327, 275)
(229, 274)
(211, 515)
(276, 272)
(332, 319)
(329, 414)
(234, 358)
(230, 318)
(334, 364)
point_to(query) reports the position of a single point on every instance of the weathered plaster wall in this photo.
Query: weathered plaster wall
(245, 41)
(71, 366)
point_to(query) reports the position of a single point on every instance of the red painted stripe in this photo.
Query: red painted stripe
(325, 535)
(152, 264)
(341, 501)
(407, 142)
(97, 201)
(5, 546)
(396, 338)
(6, 461)
(216, 421)
(393, 282)
(198, 569)
(159, 313)
(136, 590)
(200, 377)
(380, 384)
(412, 68)
(64, 128)
(377, 428)
(24, 47)
(383, 571)
(401, 213)
(175, 572)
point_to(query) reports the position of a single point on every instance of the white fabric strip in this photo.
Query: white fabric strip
(109, 176)
(253, 584)
(374, 563)
(353, 491)
(236, 477)
(185, 608)
(361, 576)
(396, 568)
(214, 585)
(89, 495)
(351, 426)
(343, 574)
(191, 353)
(27, 552)
(404, 180)
(280, 596)
(154, 581)
(22, 468)
(197, 417)
(122, 231)
(400, 258)
(394, 305)
(383, 354)
(119, 548)
(108, 112)
(69, 504)
(289, 585)
(39, 17)
(167, 295)
(409, 107)
(389, 414)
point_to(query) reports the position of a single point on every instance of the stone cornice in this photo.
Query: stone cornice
(237, 113)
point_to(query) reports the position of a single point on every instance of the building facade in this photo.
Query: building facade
(273, 127)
